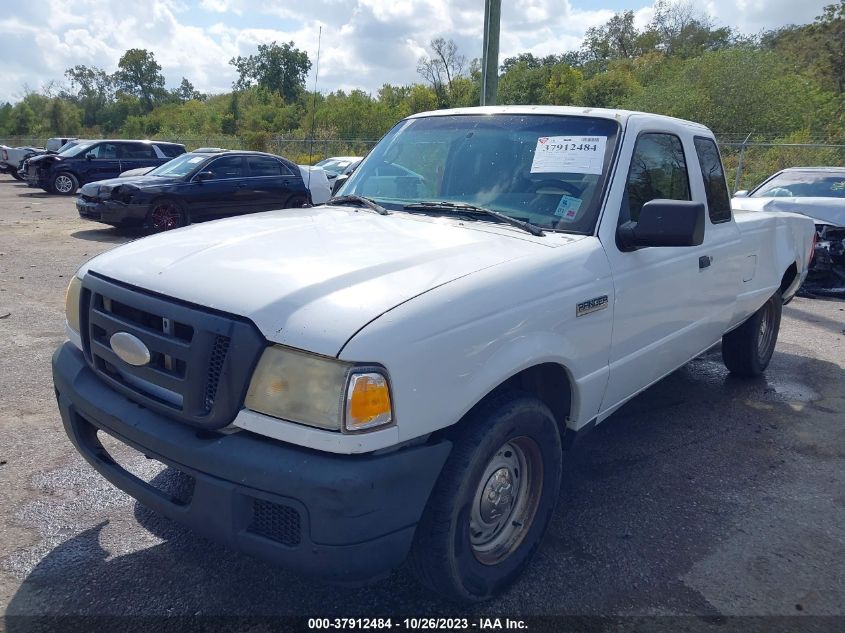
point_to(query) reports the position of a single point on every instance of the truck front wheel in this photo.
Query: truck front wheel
(493, 501)
(747, 350)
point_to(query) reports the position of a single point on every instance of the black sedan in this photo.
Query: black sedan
(196, 186)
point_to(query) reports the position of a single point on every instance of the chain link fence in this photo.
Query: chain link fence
(299, 150)
(747, 163)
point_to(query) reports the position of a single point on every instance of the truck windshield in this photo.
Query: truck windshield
(548, 170)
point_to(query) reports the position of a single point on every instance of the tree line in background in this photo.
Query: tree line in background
(787, 84)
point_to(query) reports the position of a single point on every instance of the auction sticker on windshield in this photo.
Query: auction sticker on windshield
(567, 208)
(569, 154)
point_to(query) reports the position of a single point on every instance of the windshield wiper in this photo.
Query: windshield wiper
(460, 207)
(360, 201)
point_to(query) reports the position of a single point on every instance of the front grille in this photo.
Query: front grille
(200, 361)
(276, 522)
(215, 368)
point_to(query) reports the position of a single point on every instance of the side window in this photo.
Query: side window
(171, 151)
(227, 167)
(136, 150)
(266, 166)
(718, 200)
(658, 171)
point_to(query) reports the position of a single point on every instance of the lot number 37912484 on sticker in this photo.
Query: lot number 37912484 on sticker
(569, 154)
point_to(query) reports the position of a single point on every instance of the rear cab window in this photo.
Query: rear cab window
(715, 185)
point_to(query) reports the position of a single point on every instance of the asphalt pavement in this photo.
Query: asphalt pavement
(706, 496)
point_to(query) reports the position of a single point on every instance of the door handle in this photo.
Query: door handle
(704, 261)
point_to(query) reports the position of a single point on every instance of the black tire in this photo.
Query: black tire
(747, 350)
(64, 183)
(448, 555)
(16, 175)
(165, 214)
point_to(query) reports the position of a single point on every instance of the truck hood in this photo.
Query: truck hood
(311, 278)
(822, 210)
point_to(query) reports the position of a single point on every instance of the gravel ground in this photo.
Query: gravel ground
(705, 496)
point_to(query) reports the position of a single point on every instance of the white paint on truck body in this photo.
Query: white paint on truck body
(452, 309)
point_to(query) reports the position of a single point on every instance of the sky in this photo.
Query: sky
(365, 43)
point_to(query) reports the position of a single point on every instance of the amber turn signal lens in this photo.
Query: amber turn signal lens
(367, 402)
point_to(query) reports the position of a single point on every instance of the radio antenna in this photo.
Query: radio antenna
(314, 108)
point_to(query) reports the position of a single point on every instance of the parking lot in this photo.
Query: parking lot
(706, 495)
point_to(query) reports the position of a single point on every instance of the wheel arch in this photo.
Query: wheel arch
(550, 382)
(789, 282)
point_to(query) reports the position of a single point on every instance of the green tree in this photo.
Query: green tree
(22, 119)
(280, 69)
(609, 89)
(817, 48)
(737, 90)
(524, 82)
(618, 38)
(92, 89)
(442, 67)
(187, 92)
(63, 117)
(679, 29)
(562, 86)
(139, 75)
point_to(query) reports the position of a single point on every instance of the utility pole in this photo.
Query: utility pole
(490, 54)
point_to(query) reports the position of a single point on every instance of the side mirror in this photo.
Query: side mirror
(664, 223)
(204, 175)
(338, 182)
(89, 156)
(742, 193)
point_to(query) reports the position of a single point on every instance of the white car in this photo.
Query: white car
(819, 193)
(399, 373)
(317, 182)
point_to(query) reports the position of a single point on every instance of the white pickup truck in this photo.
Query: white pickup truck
(399, 372)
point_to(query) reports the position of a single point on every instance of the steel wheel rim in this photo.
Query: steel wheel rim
(165, 217)
(63, 184)
(506, 500)
(766, 331)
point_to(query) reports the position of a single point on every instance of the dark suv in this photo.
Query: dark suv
(88, 161)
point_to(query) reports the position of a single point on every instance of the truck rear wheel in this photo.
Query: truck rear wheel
(747, 350)
(493, 501)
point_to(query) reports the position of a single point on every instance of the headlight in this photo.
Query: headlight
(318, 391)
(74, 289)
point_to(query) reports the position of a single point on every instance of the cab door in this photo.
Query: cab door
(666, 298)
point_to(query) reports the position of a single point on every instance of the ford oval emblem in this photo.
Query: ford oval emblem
(130, 349)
